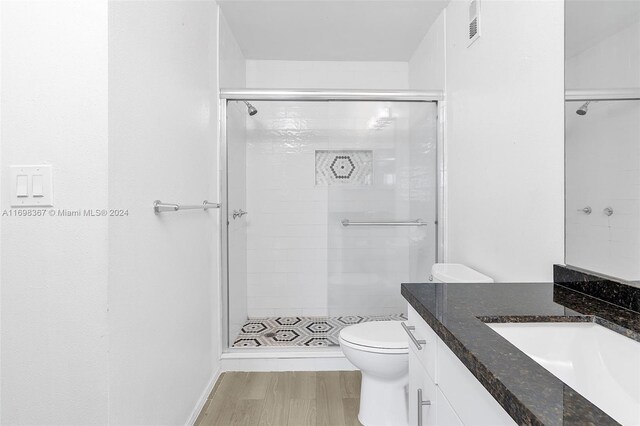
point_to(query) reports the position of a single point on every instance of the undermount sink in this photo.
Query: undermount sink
(600, 364)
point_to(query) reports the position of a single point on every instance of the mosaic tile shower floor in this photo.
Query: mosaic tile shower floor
(300, 331)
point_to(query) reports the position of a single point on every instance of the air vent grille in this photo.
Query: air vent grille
(474, 21)
(473, 28)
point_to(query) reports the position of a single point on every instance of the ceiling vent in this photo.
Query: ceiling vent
(474, 21)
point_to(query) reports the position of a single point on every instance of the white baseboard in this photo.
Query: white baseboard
(203, 398)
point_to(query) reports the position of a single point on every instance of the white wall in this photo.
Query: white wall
(505, 129)
(603, 159)
(162, 145)
(427, 66)
(326, 75)
(54, 269)
(110, 320)
(611, 63)
(427, 71)
(232, 67)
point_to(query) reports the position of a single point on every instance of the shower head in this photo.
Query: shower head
(251, 109)
(583, 109)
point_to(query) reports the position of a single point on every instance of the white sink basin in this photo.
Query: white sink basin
(600, 364)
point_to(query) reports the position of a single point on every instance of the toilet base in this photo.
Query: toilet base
(383, 402)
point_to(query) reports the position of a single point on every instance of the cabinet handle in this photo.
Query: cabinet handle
(415, 341)
(421, 404)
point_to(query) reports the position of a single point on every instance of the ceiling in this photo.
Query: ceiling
(588, 22)
(345, 30)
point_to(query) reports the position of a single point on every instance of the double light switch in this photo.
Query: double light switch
(31, 186)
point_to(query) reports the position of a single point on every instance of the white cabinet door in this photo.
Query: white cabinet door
(459, 398)
(445, 415)
(427, 352)
(421, 389)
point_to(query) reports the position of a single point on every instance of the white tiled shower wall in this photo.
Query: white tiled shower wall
(300, 259)
(603, 159)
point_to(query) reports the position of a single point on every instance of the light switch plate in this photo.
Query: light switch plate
(46, 182)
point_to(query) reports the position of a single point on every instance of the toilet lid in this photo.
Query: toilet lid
(376, 334)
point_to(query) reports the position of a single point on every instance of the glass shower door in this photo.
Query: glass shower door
(236, 220)
(381, 207)
(302, 169)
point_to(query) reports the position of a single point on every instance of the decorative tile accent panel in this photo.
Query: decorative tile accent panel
(301, 331)
(344, 167)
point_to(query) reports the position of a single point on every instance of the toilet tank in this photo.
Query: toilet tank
(456, 273)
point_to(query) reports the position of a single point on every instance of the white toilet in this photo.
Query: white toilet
(380, 350)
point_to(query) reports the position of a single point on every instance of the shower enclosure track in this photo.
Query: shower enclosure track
(330, 95)
(582, 95)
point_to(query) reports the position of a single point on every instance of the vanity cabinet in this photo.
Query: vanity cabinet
(426, 399)
(442, 391)
(422, 393)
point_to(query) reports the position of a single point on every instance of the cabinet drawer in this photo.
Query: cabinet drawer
(421, 388)
(473, 404)
(422, 331)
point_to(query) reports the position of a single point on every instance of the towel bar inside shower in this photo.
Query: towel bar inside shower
(160, 207)
(417, 222)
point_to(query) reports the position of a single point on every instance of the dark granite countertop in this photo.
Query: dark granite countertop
(528, 392)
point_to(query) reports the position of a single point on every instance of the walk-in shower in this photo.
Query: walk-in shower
(339, 206)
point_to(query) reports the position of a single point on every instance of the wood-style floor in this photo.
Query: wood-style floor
(300, 398)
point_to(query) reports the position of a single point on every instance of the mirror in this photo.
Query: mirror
(602, 137)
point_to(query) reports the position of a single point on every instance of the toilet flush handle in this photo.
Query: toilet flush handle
(415, 341)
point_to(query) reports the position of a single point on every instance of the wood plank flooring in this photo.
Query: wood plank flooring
(298, 398)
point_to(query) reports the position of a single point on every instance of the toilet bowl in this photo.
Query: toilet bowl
(379, 349)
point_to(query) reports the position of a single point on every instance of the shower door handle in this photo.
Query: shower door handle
(238, 213)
